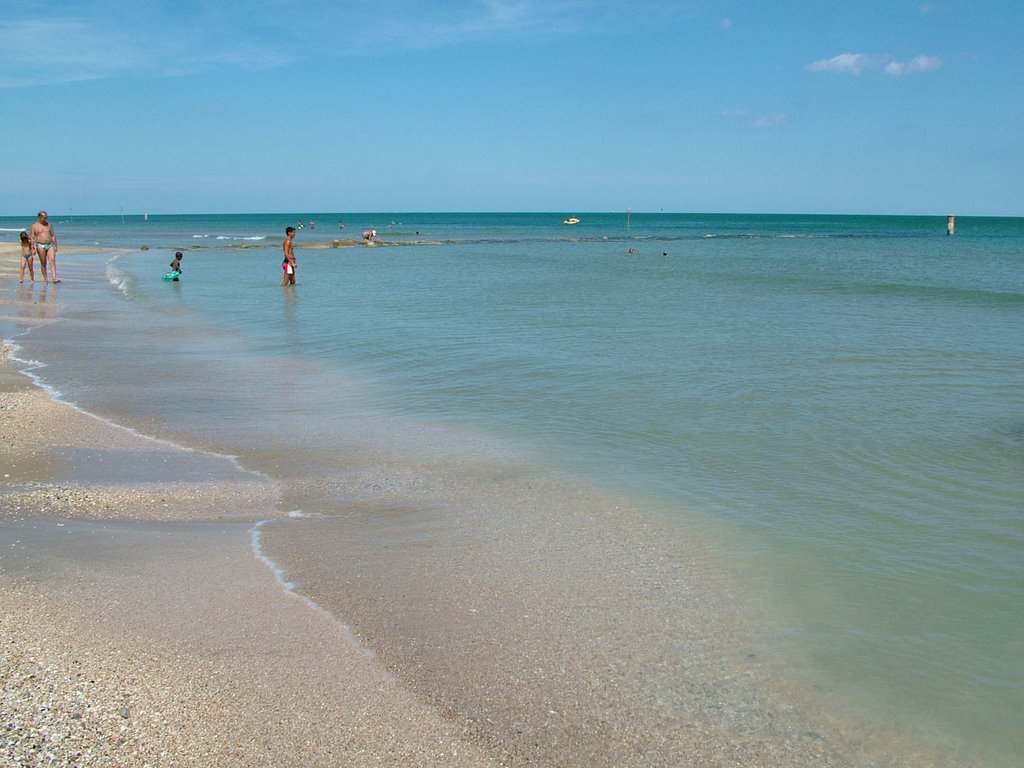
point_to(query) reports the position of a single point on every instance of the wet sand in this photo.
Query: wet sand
(139, 628)
(134, 644)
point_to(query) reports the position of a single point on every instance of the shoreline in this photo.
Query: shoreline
(140, 628)
(165, 612)
(138, 631)
(129, 639)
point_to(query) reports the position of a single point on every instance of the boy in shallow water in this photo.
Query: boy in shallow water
(27, 255)
(289, 264)
(176, 265)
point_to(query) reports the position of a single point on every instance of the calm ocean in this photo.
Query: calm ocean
(833, 405)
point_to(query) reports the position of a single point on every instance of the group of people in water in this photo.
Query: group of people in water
(40, 241)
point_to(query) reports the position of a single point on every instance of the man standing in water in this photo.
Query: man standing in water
(289, 263)
(45, 240)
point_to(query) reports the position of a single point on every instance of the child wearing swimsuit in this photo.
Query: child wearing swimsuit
(26, 259)
(176, 265)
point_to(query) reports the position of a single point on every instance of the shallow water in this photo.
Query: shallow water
(833, 406)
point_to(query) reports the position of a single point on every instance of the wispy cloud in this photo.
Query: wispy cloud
(759, 119)
(60, 49)
(917, 64)
(431, 25)
(45, 41)
(855, 63)
(44, 47)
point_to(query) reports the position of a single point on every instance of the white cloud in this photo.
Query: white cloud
(855, 63)
(917, 64)
(770, 120)
(759, 120)
(848, 62)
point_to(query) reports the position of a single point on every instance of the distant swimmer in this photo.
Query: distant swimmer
(369, 234)
(341, 225)
(312, 224)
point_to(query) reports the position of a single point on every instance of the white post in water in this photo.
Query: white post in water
(950, 225)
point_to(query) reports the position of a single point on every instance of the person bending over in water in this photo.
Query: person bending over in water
(27, 256)
(176, 264)
(45, 241)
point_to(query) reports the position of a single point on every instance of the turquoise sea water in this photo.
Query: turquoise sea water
(836, 402)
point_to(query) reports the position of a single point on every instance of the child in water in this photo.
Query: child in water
(176, 264)
(27, 256)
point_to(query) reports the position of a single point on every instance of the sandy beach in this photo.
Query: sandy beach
(140, 629)
(142, 626)
(127, 639)
(134, 643)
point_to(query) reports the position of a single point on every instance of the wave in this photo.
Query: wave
(291, 589)
(665, 238)
(936, 292)
(231, 237)
(120, 279)
(29, 368)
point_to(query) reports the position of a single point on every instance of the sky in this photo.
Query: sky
(744, 106)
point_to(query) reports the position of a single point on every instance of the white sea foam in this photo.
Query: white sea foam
(290, 589)
(118, 279)
(30, 368)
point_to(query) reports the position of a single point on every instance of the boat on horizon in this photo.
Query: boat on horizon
(571, 220)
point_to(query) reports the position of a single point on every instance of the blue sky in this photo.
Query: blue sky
(179, 106)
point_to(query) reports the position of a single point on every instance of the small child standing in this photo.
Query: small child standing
(176, 265)
(27, 257)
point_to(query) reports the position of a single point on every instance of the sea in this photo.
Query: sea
(654, 459)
